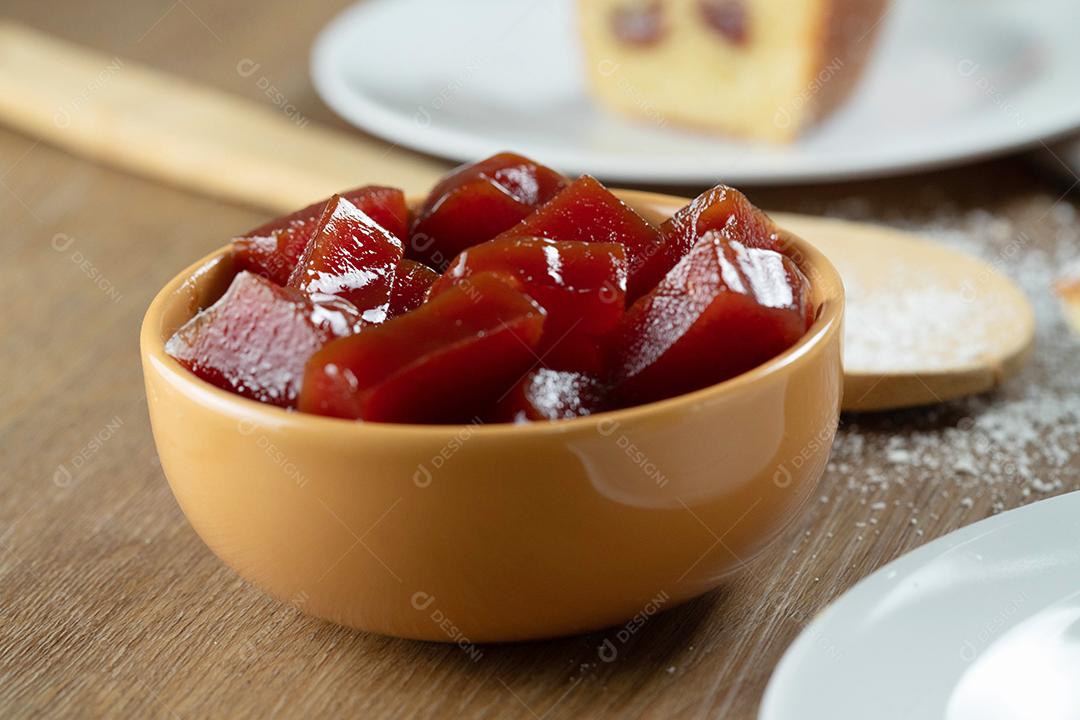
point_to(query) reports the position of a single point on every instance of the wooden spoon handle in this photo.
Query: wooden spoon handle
(155, 124)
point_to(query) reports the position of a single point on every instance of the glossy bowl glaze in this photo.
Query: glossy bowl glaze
(500, 532)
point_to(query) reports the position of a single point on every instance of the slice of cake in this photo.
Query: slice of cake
(762, 69)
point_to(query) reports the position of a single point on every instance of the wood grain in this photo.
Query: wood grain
(111, 606)
(155, 124)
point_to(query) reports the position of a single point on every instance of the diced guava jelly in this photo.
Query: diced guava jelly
(273, 249)
(723, 309)
(450, 360)
(581, 286)
(475, 203)
(255, 340)
(352, 257)
(586, 211)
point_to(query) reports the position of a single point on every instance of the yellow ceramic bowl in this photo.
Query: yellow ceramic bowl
(499, 532)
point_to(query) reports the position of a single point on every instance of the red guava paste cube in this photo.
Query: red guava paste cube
(476, 202)
(450, 360)
(724, 309)
(581, 285)
(411, 284)
(586, 211)
(352, 257)
(272, 250)
(546, 394)
(255, 339)
(527, 181)
(721, 209)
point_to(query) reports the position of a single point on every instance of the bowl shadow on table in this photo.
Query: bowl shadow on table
(931, 417)
(536, 676)
(925, 418)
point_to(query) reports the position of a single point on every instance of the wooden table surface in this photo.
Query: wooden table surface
(110, 604)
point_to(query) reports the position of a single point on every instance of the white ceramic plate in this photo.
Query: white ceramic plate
(952, 80)
(982, 624)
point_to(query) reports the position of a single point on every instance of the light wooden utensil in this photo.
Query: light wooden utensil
(925, 324)
(173, 130)
(1068, 292)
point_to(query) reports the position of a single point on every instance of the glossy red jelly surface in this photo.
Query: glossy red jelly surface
(525, 180)
(581, 286)
(476, 202)
(724, 309)
(517, 297)
(272, 250)
(586, 211)
(450, 360)
(412, 281)
(352, 257)
(255, 340)
(546, 394)
(722, 209)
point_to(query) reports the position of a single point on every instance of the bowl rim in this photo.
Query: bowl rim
(826, 324)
